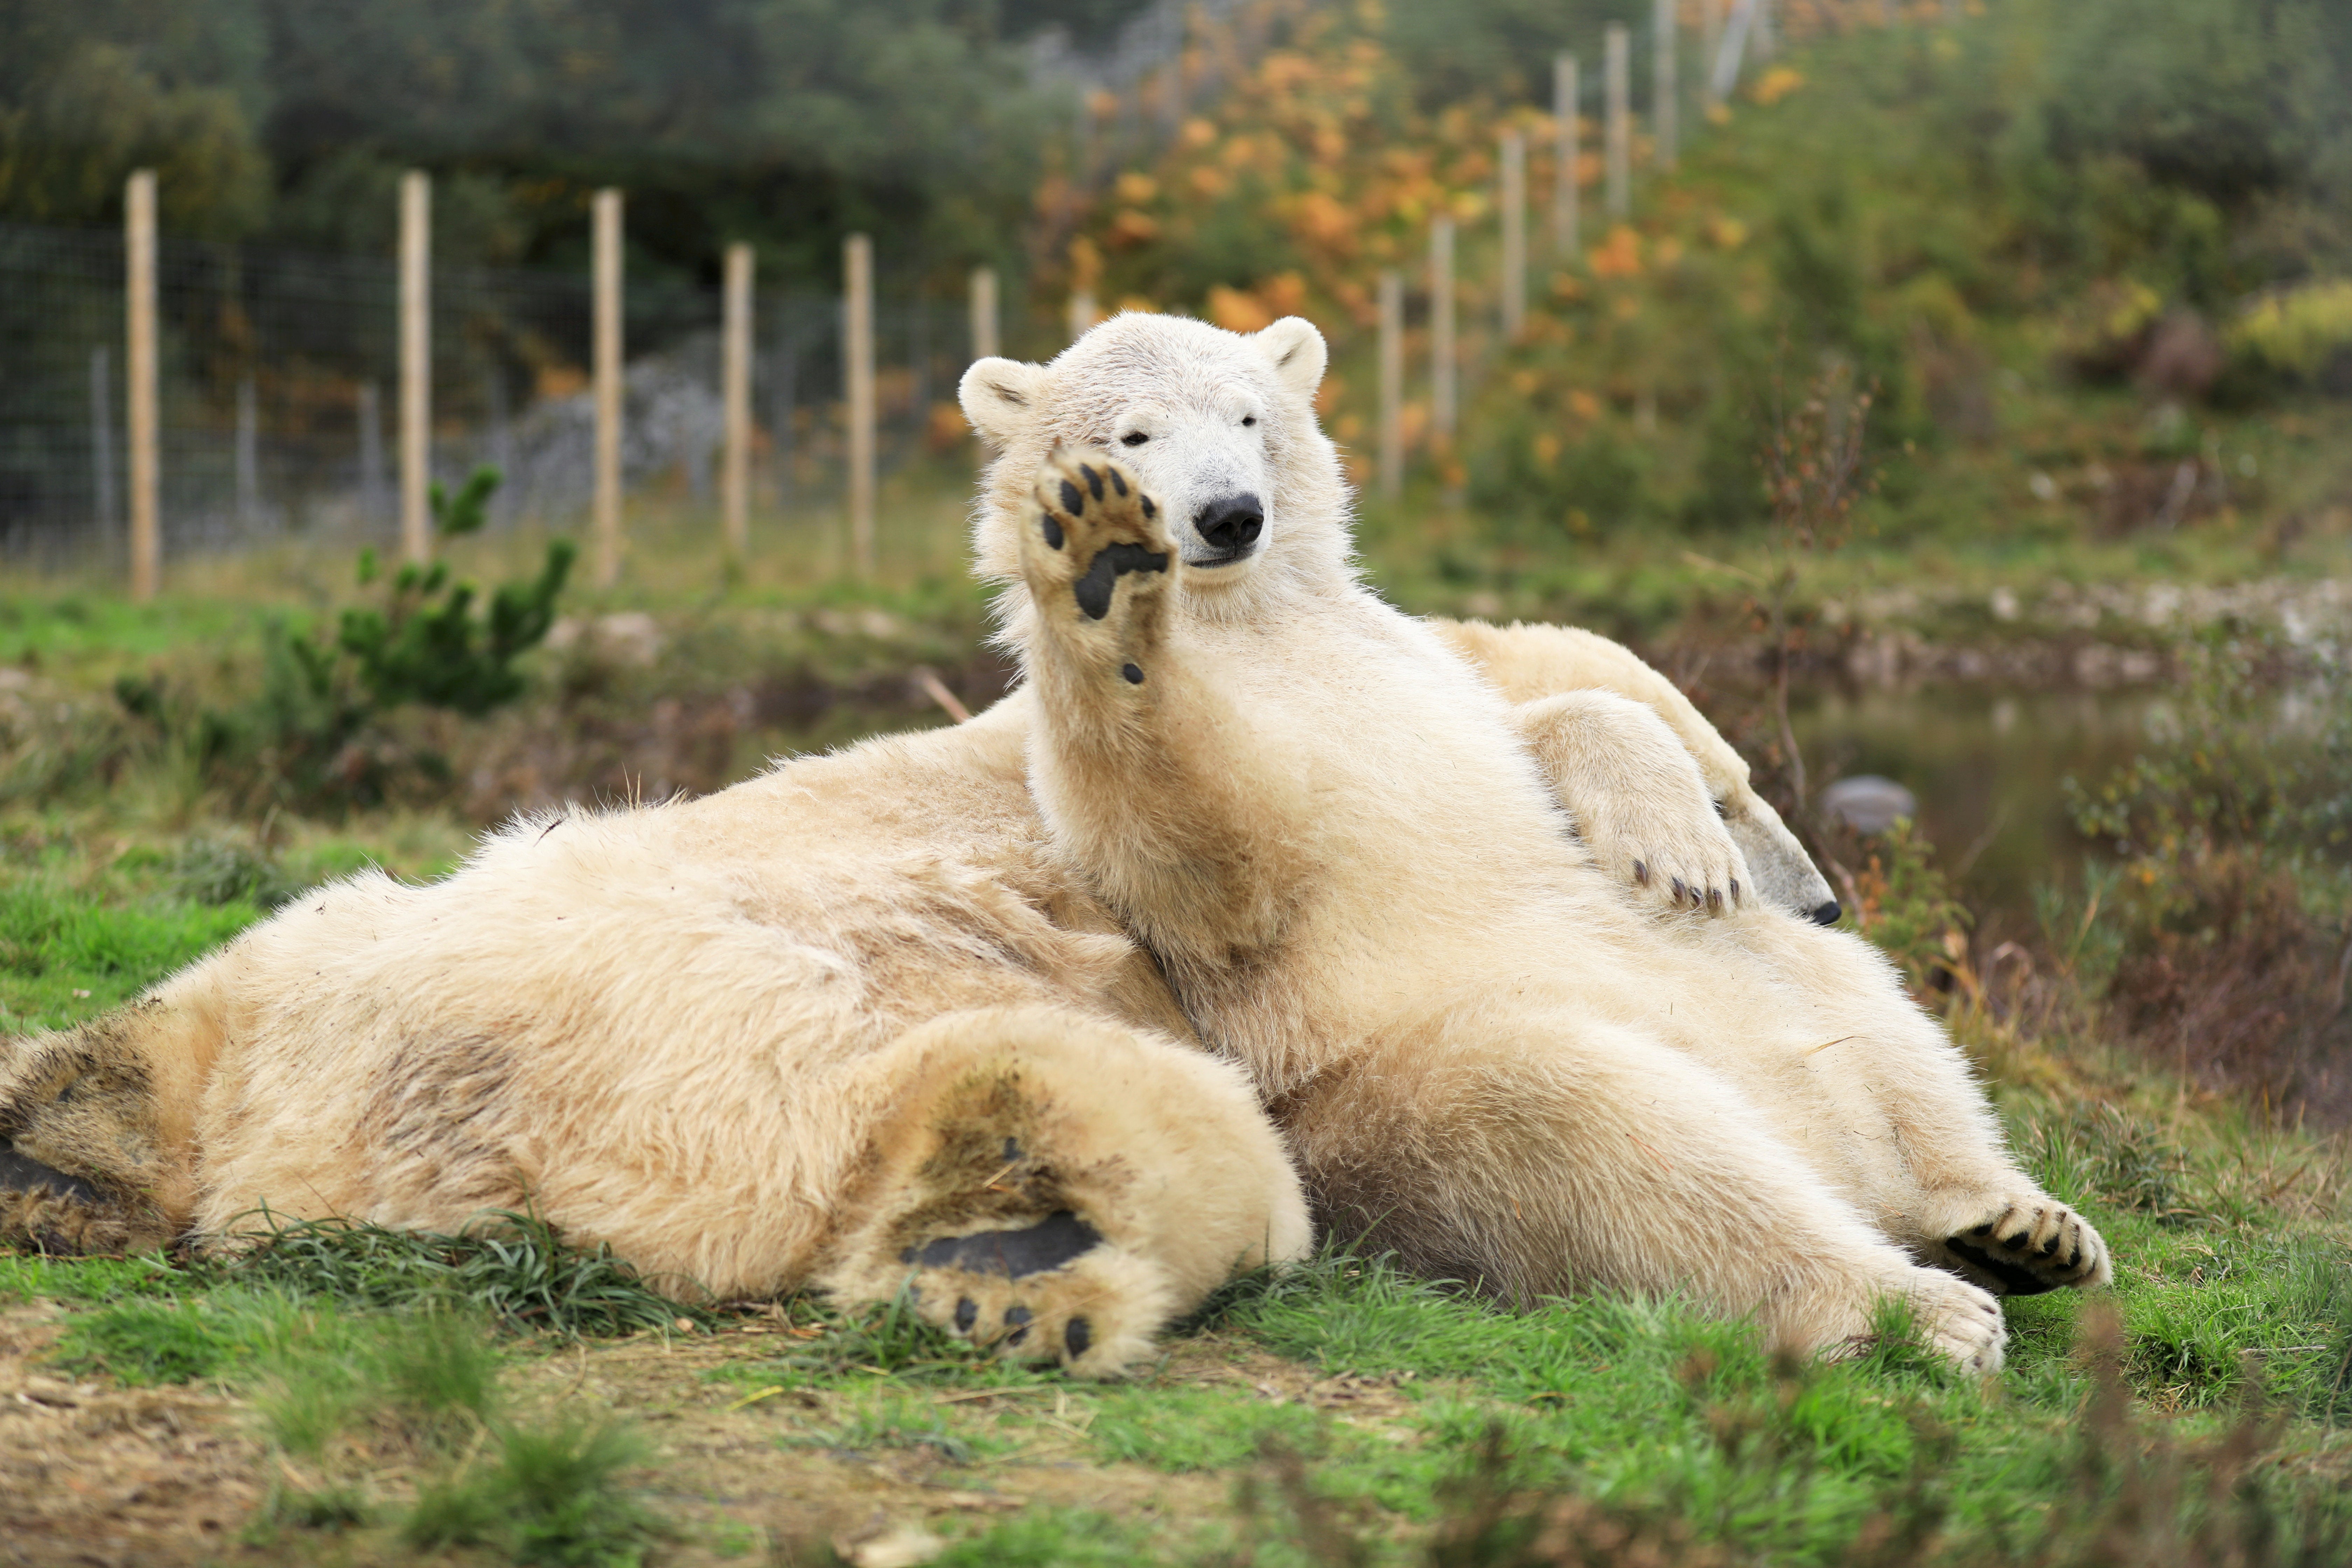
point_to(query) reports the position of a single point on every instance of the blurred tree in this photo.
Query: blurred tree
(92, 91)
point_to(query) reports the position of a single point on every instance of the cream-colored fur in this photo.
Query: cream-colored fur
(841, 1025)
(1533, 664)
(1334, 836)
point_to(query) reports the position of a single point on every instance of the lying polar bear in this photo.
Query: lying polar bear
(842, 1024)
(1337, 841)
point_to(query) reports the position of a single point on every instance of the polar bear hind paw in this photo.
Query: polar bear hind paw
(1049, 1290)
(1099, 547)
(2028, 1245)
(1003, 1233)
(1948, 1316)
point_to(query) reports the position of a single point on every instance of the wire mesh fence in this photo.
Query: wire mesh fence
(279, 394)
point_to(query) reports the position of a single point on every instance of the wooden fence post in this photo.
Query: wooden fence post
(1514, 233)
(416, 366)
(735, 376)
(140, 391)
(1567, 150)
(102, 449)
(1441, 330)
(1082, 313)
(1665, 88)
(984, 314)
(857, 355)
(1723, 72)
(607, 287)
(1391, 385)
(248, 458)
(1619, 86)
(1710, 38)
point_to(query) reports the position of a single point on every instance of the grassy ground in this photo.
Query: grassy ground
(362, 1398)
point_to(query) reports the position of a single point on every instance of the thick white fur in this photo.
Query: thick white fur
(1536, 663)
(1329, 830)
(741, 1041)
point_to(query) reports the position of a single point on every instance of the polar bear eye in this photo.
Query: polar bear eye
(1133, 438)
(1248, 419)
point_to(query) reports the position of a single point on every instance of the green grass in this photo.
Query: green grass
(515, 1269)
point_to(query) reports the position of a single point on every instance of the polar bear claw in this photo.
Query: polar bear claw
(2029, 1245)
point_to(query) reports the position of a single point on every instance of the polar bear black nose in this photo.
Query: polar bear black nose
(1827, 914)
(1229, 524)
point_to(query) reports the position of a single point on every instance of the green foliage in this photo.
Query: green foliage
(431, 1375)
(307, 736)
(2230, 778)
(2225, 919)
(2304, 333)
(1906, 906)
(516, 1270)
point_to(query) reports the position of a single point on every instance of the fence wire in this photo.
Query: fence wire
(279, 393)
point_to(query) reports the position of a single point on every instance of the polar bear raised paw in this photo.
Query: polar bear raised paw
(1098, 558)
(2028, 1245)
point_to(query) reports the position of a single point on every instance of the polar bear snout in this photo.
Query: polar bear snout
(1230, 526)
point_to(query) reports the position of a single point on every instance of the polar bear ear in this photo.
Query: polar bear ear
(1298, 353)
(999, 397)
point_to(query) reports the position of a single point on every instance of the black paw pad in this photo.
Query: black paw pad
(1077, 1336)
(1114, 561)
(1052, 531)
(1134, 674)
(1050, 1243)
(967, 1313)
(1149, 509)
(1093, 481)
(1640, 873)
(2014, 1280)
(19, 1173)
(1119, 481)
(1073, 501)
(1017, 1318)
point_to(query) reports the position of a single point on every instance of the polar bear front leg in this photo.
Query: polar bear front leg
(1058, 1188)
(1199, 863)
(1637, 798)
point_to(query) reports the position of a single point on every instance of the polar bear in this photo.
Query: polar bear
(842, 1025)
(847, 1023)
(1337, 842)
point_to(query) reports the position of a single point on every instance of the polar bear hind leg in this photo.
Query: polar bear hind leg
(93, 1157)
(1060, 1188)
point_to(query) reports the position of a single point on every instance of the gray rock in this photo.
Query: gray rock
(1869, 804)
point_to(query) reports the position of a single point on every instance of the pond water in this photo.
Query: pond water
(1987, 766)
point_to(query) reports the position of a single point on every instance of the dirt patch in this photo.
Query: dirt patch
(99, 1476)
(146, 1478)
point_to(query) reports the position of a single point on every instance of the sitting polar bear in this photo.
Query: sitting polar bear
(1337, 842)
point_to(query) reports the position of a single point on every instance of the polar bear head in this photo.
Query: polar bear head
(1219, 425)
